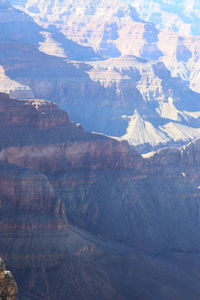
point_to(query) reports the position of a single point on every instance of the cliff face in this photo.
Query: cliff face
(78, 205)
(179, 15)
(102, 93)
(122, 22)
(103, 28)
(70, 172)
(8, 287)
(148, 87)
(183, 162)
(76, 208)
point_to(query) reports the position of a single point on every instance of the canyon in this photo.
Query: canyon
(103, 65)
(99, 149)
(85, 216)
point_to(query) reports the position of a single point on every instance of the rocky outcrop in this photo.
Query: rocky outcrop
(42, 114)
(48, 130)
(8, 286)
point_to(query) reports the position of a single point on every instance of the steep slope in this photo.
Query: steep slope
(179, 36)
(81, 167)
(181, 17)
(162, 101)
(122, 21)
(141, 132)
(54, 176)
(16, 25)
(98, 94)
(100, 25)
(35, 235)
(186, 156)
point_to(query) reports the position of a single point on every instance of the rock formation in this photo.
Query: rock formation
(181, 16)
(8, 287)
(76, 209)
(100, 92)
(83, 215)
(69, 166)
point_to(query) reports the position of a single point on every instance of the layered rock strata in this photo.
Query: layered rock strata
(73, 171)
(102, 94)
(76, 209)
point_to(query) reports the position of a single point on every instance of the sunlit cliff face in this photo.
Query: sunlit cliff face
(103, 92)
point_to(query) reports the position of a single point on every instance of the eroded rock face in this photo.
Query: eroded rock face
(149, 88)
(123, 22)
(8, 286)
(183, 162)
(62, 171)
(102, 94)
(61, 188)
(179, 15)
(100, 25)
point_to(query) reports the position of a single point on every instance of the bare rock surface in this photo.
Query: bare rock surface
(8, 286)
(84, 216)
(100, 62)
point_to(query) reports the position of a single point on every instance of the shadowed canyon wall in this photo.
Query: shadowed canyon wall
(76, 207)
